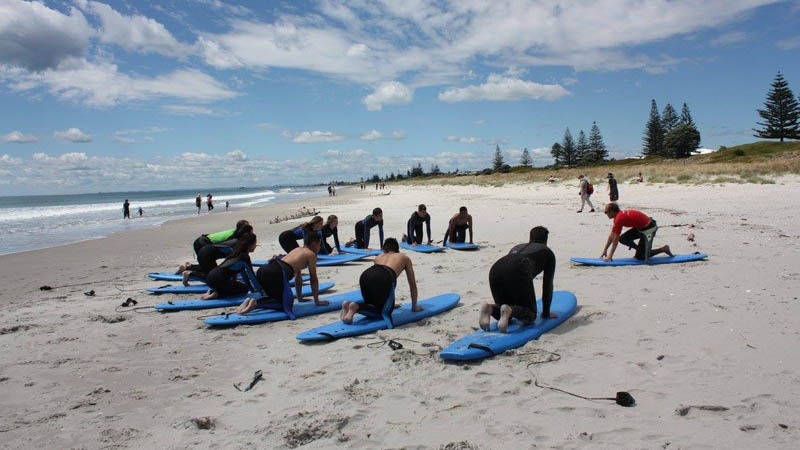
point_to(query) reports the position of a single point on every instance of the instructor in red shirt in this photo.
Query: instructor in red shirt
(637, 221)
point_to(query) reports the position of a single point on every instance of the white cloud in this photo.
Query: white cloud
(502, 88)
(372, 135)
(237, 10)
(399, 134)
(8, 160)
(189, 110)
(311, 137)
(389, 93)
(464, 140)
(733, 37)
(569, 81)
(73, 135)
(333, 153)
(19, 138)
(148, 130)
(789, 44)
(237, 155)
(102, 85)
(36, 37)
(135, 32)
(479, 122)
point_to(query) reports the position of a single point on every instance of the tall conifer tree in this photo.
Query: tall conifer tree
(597, 147)
(653, 133)
(781, 113)
(568, 150)
(498, 161)
(669, 118)
(525, 160)
(582, 156)
(557, 153)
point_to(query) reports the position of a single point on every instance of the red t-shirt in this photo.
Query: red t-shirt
(630, 218)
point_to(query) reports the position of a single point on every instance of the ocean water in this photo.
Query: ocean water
(42, 221)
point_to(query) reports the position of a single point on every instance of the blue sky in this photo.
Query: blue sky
(120, 95)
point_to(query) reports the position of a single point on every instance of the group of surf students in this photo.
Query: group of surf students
(510, 277)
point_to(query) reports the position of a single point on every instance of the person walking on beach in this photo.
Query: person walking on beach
(274, 277)
(613, 192)
(363, 226)
(413, 234)
(330, 191)
(585, 192)
(198, 202)
(457, 227)
(638, 222)
(126, 210)
(378, 282)
(209, 202)
(227, 205)
(511, 283)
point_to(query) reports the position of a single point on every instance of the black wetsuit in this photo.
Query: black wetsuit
(634, 238)
(126, 210)
(223, 278)
(327, 232)
(511, 281)
(377, 283)
(362, 231)
(414, 228)
(207, 257)
(270, 276)
(459, 233)
(613, 192)
(288, 239)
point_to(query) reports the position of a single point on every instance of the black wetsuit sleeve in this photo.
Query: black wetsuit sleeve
(335, 232)
(428, 225)
(380, 232)
(251, 278)
(366, 231)
(547, 282)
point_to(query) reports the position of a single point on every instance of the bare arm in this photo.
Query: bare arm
(312, 270)
(470, 229)
(613, 240)
(412, 284)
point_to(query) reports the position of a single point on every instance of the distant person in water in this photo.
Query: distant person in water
(216, 238)
(274, 277)
(126, 210)
(331, 228)
(222, 280)
(141, 212)
(198, 202)
(288, 239)
(209, 202)
(378, 283)
(511, 282)
(613, 192)
(227, 205)
(638, 222)
(458, 226)
(363, 226)
(413, 234)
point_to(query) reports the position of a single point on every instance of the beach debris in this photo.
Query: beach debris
(15, 328)
(684, 410)
(257, 376)
(783, 425)
(89, 293)
(128, 302)
(302, 212)
(308, 432)
(461, 445)
(204, 423)
(690, 237)
(45, 288)
(747, 428)
(660, 357)
(108, 319)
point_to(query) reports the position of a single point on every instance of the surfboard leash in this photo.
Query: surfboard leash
(622, 398)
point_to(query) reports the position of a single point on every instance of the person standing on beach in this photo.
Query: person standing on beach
(209, 202)
(511, 283)
(457, 227)
(613, 192)
(126, 210)
(413, 234)
(585, 192)
(638, 222)
(378, 282)
(198, 202)
(363, 226)
(288, 239)
(331, 228)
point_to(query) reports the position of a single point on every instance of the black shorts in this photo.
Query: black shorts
(511, 283)
(459, 233)
(376, 285)
(199, 243)
(224, 283)
(360, 234)
(270, 277)
(288, 241)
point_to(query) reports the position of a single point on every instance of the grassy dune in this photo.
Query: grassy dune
(758, 162)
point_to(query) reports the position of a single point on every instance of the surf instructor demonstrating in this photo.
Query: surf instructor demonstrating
(638, 222)
(457, 228)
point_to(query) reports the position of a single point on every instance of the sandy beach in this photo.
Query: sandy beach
(708, 349)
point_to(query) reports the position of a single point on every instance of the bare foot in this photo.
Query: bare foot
(186, 277)
(486, 316)
(351, 312)
(345, 305)
(505, 317)
(210, 295)
(249, 305)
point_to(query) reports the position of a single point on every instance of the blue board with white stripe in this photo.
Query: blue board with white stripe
(263, 315)
(179, 305)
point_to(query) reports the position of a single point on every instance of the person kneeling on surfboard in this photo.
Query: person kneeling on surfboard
(511, 282)
(457, 227)
(275, 276)
(222, 280)
(638, 222)
(413, 234)
(216, 238)
(331, 228)
(207, 257)
(378, 283)
(363, 226)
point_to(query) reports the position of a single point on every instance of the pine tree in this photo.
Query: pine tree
(568, 150)
(781, 114)
(435, 169)
(653, 133)
(669, 118)
(682, 141)
(525, 159)
(498, 161)
(686, 116)
(557, 153)
(597, 148)
(582, 150)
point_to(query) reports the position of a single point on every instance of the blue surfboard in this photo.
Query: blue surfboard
(167, 276)
(400, 316)
(462, 246)
(179, 305)
(422, 248)
(635, 262)
(323, 260)
(484, 344)
(200, 288)
(263, 315)
(361, 251)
